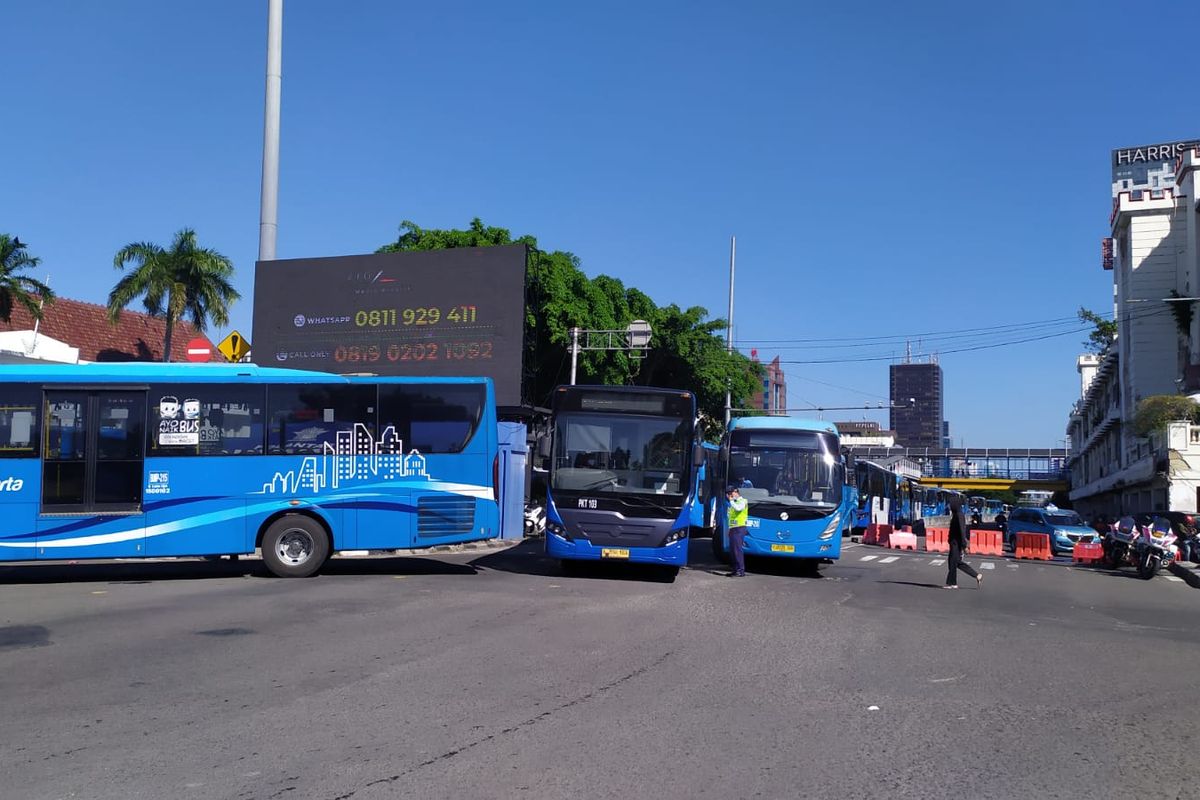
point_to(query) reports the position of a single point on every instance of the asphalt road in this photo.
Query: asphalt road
(469, 676)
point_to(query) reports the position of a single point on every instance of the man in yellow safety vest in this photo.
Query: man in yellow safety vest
(738, 515)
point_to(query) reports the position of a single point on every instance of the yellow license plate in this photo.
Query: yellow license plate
(614, 552)
(783, 548)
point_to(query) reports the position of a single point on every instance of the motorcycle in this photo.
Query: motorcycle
(1144, 547)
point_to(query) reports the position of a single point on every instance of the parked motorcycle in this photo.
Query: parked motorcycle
(535, 520)
(1144, 547)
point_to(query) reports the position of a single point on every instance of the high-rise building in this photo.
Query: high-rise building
(774, 394)
(916, 415)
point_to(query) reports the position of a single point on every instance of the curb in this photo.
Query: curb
(1190, 574)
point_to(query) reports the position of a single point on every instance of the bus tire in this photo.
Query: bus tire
(295, 546)
(570, 566)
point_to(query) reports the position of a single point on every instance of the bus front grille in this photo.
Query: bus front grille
(445, 515)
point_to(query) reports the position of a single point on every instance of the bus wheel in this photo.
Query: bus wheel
(295, 546)
(570, 566)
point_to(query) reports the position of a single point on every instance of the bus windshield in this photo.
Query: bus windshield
(623, 454)
(799, 468)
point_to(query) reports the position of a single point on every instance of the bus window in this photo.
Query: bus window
(432, 418)
(208, 419)
(303, 418)
(20, 422)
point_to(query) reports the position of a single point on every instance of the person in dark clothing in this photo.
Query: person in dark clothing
(958, 543)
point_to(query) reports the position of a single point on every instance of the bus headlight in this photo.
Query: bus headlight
(832, 527)
(559, 530)
(676, 535)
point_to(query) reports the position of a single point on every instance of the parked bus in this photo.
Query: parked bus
(791, 472)
(149, 460)
(877, 495)
(623, 474)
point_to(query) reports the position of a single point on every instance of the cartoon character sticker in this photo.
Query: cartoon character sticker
(172, 430)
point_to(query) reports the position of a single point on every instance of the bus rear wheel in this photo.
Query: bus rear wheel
(295, 546)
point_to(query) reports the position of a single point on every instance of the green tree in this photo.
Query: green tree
(1154, 412)
(686, 352)
(184, 281)
(16, 288)
(1104, 331)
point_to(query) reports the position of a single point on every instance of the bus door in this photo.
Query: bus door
(92, 465)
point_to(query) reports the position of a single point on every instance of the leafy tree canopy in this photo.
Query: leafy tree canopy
(17, 288)
(1154, 412)
(686, 352)
(1103, 334)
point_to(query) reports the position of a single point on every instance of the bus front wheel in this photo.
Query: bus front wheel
(295, 546)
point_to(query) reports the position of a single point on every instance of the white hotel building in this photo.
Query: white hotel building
(1154, 254)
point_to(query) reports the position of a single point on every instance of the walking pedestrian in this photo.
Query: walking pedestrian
(958, 543)
(739, 514)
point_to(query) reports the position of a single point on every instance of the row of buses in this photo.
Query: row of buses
(154, 460)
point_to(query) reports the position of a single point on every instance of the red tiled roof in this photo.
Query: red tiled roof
(135, 337)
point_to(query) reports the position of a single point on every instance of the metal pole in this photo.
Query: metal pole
(729, 325)
(268, 225)
(574, 352)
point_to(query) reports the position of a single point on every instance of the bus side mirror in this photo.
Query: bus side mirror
(697, 455)
(543, 447)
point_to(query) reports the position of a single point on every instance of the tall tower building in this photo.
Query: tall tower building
(774, 394)
(917, 413)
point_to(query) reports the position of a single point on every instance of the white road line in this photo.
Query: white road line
(868, 558)
(987, 565)
(889, 559)
(354, 553)
(1175, 578)
(937, 562)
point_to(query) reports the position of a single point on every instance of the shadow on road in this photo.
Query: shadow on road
(914, 583)
(128, 572)
(528, 558)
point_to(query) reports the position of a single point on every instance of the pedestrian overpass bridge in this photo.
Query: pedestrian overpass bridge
(975, 469)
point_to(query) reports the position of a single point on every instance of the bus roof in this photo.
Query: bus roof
(781, 424)
(200, 373)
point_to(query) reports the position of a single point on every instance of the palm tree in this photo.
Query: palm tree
(16, 288)
(184, 281)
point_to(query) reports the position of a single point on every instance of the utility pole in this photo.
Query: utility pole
(268, 219)
(729, 326)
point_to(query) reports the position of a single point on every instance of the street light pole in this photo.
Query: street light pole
(268, 218)
(574, 352)
(729, 325)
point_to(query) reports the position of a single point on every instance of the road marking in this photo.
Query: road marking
(937, 562)
(948, 680)
(1175, 578)
(987, 565)
(355, 553)
(103, 592)
(868, 558)
(889, 559)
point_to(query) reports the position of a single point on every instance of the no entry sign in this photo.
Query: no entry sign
(199, 349)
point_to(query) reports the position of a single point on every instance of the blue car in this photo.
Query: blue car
(1065, 527)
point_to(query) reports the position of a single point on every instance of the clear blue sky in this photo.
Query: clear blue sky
(888, 168)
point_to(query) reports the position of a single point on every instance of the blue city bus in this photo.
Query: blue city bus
(149, 460)
(791, 472)
(878, 495)
(623, 467)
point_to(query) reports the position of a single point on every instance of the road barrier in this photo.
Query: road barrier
(937, 540)
(985, 542)
(877, 534)
(1032, 545)
(1087, 553)
(902, 540)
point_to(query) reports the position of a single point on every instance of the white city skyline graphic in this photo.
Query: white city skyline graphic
(355, 456)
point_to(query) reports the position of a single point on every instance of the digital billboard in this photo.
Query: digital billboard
(456, 312)
(1148, 166)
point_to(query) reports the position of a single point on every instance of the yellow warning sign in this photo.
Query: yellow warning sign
(234, 347)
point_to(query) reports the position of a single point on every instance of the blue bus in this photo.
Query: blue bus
(623, 466)
(877, 495)
(149, 460)
(791, 471)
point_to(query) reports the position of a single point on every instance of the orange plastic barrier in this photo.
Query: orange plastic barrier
(877, 534)
(985, 543)
(1087, 553)
(937, 540)
(902, 540)
(1033, 545)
